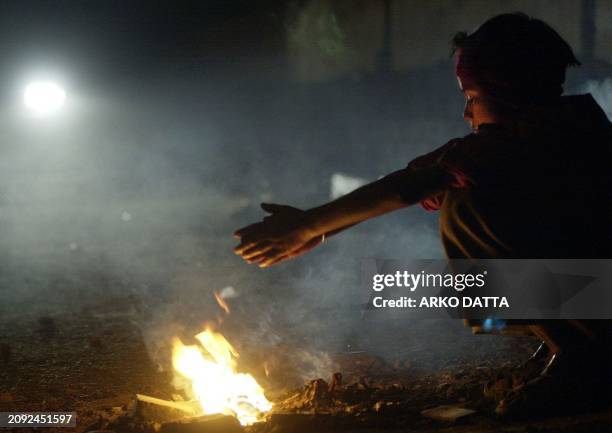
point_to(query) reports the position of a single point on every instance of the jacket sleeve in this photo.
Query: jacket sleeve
(450, 159)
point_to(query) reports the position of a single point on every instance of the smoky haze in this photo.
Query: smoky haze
(126, 201)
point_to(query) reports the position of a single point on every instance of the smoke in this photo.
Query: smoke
(127, 205)
(342, 184)
(602, 92)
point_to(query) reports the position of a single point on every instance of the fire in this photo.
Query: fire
(221, 302)
(216, 384)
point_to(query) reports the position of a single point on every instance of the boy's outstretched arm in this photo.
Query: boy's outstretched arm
(290, 232)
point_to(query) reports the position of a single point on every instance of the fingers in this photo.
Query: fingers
(274, 207)
(268, 256)
(245, 230)
(276, 261)
(278, 258)
(251, 252)
(276, 211)
(268, 207)
(251, 235)
(282, 258)
(265, 254)
(257, 250)
(263, 260)
(269, 262)
(243, 246)
(256, 258)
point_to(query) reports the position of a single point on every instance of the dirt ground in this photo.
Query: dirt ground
(95, 361)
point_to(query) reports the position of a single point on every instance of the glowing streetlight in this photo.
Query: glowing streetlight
(43, 98)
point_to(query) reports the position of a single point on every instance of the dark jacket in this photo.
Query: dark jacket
(538, 188)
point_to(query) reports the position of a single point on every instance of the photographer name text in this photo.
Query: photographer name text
(413, 281)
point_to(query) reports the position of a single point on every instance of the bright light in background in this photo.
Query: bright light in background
(43, 98)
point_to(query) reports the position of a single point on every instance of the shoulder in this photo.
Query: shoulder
(433, 157)
(469, 146)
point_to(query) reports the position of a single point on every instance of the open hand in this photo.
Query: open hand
(282, 235)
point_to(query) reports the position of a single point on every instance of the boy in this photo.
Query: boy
(531, 181)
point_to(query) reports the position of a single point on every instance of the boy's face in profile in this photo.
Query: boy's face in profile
(478, 108)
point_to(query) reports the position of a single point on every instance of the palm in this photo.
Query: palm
(279, 236)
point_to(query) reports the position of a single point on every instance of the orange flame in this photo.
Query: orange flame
(215, 383)
(222, 303)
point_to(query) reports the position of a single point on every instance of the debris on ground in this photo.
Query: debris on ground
(447, 413)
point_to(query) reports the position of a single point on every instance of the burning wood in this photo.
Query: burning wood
(179, 409)
(369, 392)
(348, 402)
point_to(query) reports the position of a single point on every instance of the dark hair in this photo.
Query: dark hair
(517, 58)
